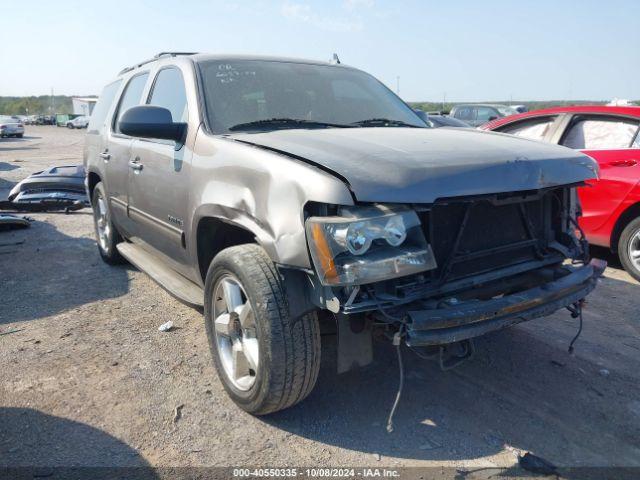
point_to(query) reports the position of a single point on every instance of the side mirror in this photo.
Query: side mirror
(492, 118)
(149, 121)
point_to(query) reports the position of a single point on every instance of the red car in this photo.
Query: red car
(611, 205)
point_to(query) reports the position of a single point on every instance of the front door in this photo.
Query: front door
(159, 173)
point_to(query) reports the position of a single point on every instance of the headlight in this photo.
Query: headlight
(369, 244)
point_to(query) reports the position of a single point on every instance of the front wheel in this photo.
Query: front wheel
(266, 360)
(107, 235)
(629, 248)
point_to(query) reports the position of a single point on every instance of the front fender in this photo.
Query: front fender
(261, 191)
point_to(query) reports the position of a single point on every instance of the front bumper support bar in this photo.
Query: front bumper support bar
(474, 318)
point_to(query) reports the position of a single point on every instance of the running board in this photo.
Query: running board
(180, 287)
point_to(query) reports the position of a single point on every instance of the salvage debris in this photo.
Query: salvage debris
(177, 413)
(165, 327)
(56, 188)
(12, 331)
(535, 464)
(9, 221)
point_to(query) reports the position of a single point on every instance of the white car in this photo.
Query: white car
(78, 122)
(11, 127)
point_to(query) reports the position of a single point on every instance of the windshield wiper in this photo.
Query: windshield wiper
(383, 122)
(286, 122)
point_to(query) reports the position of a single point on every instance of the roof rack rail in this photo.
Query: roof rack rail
(155, 57)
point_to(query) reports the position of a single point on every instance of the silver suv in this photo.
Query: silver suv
(282, 195)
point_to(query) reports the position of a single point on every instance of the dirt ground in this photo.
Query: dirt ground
(88, 379)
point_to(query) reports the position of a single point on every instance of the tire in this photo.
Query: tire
(69, 126)
(107, 235)
(20, 135)
(288, 350)
(630, 242)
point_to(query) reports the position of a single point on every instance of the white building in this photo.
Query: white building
(83, 105)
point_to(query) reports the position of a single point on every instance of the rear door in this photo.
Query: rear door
(117, 153)
(159, 176)
(613, 142)
(96, 141)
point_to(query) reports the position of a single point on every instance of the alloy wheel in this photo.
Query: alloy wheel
(235, 332)
(634, 250)
(102, 222)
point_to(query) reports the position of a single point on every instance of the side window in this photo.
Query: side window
(485, 113)
(532, 128)
(593, 133)
(131, 97)
(99, 114)
(169, 92)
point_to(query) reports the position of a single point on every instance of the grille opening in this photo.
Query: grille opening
(498, 231)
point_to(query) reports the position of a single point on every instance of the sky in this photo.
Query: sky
(459, 50)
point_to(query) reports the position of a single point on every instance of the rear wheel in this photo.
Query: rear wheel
(629, 248)
(266, 360)
(107, 235)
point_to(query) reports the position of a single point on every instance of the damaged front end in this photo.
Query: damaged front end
(465, 266)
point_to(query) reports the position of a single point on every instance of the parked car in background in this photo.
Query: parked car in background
(11, 127)
(46, 120)
(78, 122)
(438, 120)
(611, 205)
(278, 193)
(479, 114)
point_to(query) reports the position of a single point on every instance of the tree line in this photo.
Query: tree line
(40, 105)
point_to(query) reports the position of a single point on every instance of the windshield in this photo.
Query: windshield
(248, 91)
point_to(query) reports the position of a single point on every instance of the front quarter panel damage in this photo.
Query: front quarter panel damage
(260, 191)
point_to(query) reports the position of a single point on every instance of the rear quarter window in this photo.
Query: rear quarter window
(103, 106)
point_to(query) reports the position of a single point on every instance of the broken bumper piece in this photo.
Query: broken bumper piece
(56, 188)
(474, 318)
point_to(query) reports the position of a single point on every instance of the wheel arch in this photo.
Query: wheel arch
(631, 212)
(93, 179)
(214, 234)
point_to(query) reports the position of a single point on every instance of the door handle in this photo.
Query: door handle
(105, 156)
(630, 162)
(135, 164)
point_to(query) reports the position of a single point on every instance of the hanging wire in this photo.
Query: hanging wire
(397, 342)
(578, 311)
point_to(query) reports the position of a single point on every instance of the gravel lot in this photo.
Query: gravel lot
(89, 380)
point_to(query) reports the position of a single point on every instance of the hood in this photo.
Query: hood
(420, 165)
